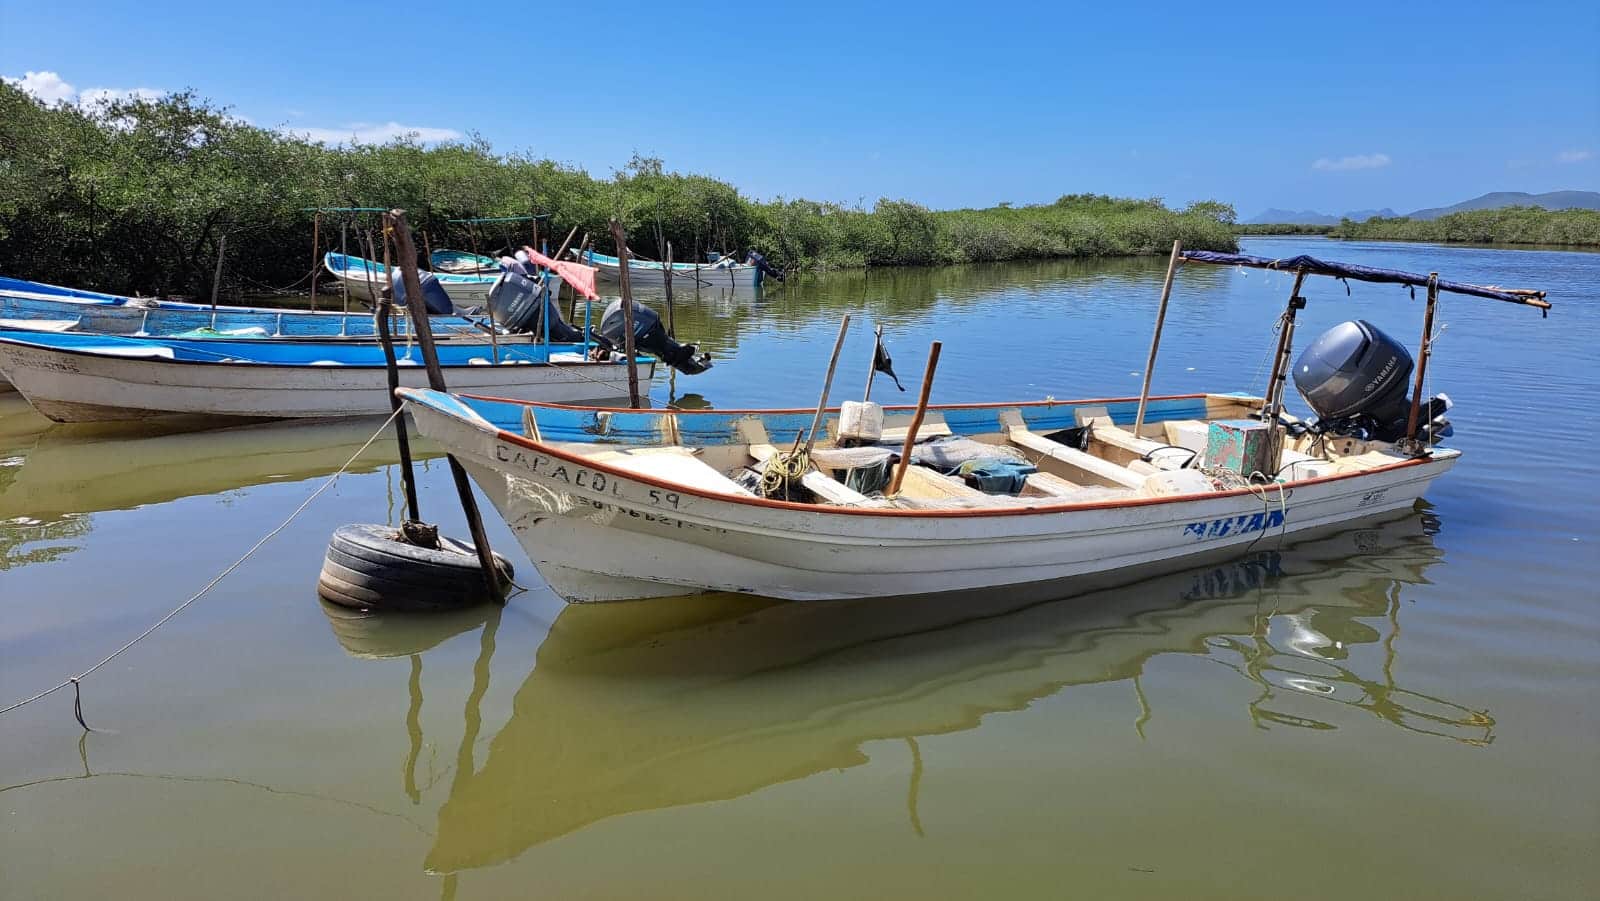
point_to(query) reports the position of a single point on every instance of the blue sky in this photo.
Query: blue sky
(1328, 106)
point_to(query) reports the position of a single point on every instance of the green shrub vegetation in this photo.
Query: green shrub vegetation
(1506, 225)
(137, 196)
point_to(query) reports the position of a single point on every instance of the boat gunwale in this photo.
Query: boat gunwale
(1030, 510)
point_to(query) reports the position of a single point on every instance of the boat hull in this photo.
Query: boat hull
(672, 542)
(70, 386)
(684, 277)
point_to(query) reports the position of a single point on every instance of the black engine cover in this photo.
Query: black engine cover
(1354, 369)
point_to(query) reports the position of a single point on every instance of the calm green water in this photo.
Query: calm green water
(1401, 710)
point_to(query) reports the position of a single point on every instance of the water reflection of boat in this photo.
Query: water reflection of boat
(641, 707)
(86, 469)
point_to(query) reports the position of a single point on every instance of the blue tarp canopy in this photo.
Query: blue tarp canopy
(1313, 266)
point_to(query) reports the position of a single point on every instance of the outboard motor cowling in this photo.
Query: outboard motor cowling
(434, 298)
(516, 300)
(649, 336)
(1355, 378)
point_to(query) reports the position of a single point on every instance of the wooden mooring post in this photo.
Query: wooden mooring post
(621, 238)
(406, 250)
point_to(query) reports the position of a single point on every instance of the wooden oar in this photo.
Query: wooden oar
(916, 421)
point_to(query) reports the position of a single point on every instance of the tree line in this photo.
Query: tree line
(140, 195)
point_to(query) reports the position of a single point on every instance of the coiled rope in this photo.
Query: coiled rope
(782, 470)
(77, 705)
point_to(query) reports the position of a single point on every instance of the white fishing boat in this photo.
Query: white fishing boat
(1020, 494)
(73, 377)
(725, 273)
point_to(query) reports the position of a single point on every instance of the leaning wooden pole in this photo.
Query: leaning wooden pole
(916, 420)
(1424, 351)
(627, 312)
(827, 385)
(1155, 339)
(407, 251)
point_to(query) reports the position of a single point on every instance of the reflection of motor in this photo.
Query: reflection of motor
(649, 336)
(1355, 378)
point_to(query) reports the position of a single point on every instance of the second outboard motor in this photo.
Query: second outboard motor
(1354, 377)
(433, 297)
(760, 262)
(514, 304)
(649, 336)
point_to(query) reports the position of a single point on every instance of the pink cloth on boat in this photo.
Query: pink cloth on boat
(579, 276)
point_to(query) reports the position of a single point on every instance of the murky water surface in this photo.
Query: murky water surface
(1402, 710)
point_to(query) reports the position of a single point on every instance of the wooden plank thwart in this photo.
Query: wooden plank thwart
(1103, 470)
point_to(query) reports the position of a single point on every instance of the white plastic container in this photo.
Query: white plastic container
(860, 421)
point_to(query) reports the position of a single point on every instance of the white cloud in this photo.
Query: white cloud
(51, 88)
(369, 133)
(46, 87)
(1347, 163)
(1574, 156)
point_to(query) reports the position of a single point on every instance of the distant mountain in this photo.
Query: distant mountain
(1290, 217)
(1311, 217)
(1554, 200)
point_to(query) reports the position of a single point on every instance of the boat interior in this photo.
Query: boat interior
(962, 457)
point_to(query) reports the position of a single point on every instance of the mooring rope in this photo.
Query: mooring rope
(73, 681)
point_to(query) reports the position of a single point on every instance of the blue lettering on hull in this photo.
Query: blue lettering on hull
(1234, 525)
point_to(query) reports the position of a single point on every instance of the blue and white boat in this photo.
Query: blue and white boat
(725, 273)
(366, 279)
(41, 307)
(75, 377)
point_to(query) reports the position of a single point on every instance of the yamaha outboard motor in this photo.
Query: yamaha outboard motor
(649, 336)
(760, 262)
(1354, 377)
(433, 297)
(515, 304)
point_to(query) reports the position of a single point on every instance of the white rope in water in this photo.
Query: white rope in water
(73, 681)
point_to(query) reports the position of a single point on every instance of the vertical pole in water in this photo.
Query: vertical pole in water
(872, 370)
(392, 367)
(316, 262)
(627, 312)
(666, 276)
(216, 277)
(1155, 340)
(1424, 351)
(827, 384)
(344, 272)
(916, 420)
(430, 357)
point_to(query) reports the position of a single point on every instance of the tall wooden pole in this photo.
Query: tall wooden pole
(392, 366)
(827, 384)
(1155, 340)
(666, 277)
(627, 312)
(407, 251)
(1424, 351)
(316, 261)
(916, 420)
(216, 274)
